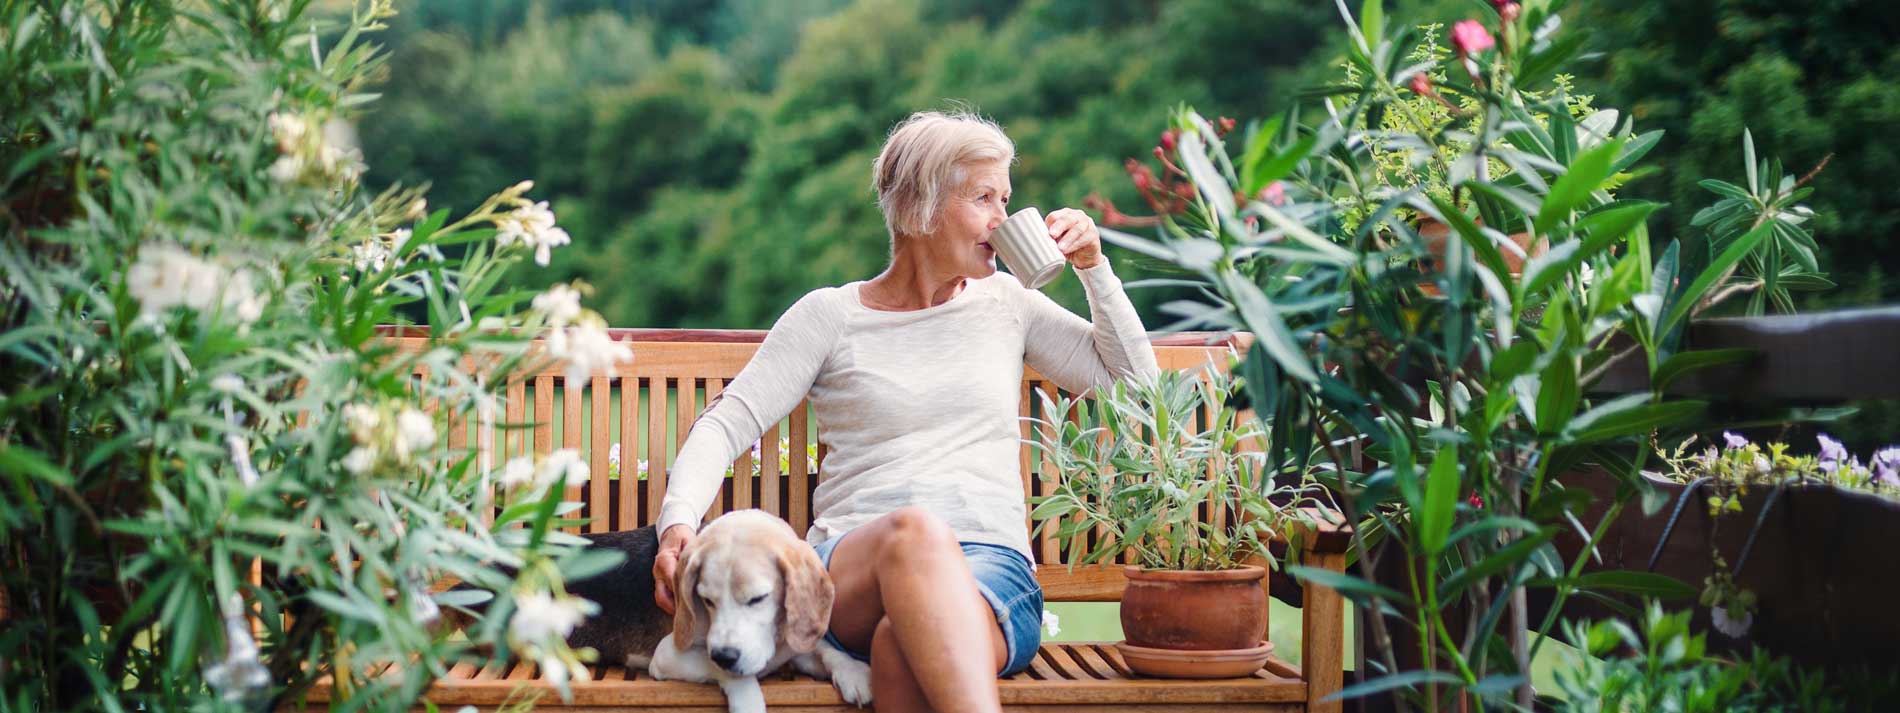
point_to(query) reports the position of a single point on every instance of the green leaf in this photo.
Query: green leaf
(1267, 326)
(1544, 65)
(1258, 175)
(1372, 22)
(1557, 395)
(1493, 563)
(1718, 269)
(1441, 501)
(1685, 362)
(1572, 190)
(1642, 584)
(1474, 236)
(1346, 583)
(1627, 415)
(1407, 680)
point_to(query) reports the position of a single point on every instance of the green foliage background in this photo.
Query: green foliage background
(712, 158)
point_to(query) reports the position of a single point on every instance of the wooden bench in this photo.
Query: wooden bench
(647, 407)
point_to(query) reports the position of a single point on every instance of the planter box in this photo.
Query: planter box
(1824, 567)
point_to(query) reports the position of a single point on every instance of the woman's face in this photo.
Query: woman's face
(973, 211)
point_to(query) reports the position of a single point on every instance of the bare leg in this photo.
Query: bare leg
(894, 580)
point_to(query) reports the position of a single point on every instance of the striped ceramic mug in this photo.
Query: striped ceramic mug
(1024, 244)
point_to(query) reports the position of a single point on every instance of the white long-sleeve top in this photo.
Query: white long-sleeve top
(916, 407)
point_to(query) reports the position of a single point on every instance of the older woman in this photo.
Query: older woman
(915, 375)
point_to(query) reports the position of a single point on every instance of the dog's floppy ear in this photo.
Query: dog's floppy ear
(809, 593)
(689, 614)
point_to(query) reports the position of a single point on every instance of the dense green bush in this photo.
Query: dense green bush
(217, 484)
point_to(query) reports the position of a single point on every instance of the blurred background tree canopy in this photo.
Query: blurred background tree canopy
(712, 159)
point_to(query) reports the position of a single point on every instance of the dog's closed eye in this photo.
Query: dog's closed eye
(755, 601)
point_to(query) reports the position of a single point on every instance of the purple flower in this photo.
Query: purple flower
(1832, 450)
(1734, 441)
(1887, 465)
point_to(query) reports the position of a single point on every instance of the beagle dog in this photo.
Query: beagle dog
(751, 596)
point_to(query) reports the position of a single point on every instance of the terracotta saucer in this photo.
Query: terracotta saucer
(1181, 663)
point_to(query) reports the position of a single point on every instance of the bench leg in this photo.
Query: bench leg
(1323, 637)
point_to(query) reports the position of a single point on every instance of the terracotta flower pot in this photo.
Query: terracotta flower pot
(1194, 624)
(1436, 234)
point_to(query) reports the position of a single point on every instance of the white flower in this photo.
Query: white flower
(360, 419)
(539, 617)
(533, 226)
(163, 277)
(1736, 627)
(359, 460)
(1585, 275)
(286, 169)
(241, 298)
(561, 303)
(288, 129)
(641, 466)
(588, 349)
(227, 383)
(369, 256)
(564, 466)
(1762, 465)
(414, 432)
(519, 470)
(1051, 623)
(613, 456)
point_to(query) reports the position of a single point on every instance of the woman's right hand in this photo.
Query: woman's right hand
(666, 563)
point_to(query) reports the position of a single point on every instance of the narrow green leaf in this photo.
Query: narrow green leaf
(1407, 680)
(1718, 269)
(1441, 501)
(1494, 563)
(1573, 189)
(1346, 583)
(1557, 395)
(1685, 362)
(1627, 415)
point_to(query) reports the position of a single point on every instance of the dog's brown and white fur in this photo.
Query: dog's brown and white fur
(751, 597)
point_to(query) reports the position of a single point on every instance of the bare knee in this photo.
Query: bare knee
(914, 531)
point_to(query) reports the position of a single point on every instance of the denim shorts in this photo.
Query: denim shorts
(1006, 580)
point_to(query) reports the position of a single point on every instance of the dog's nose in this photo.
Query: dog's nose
(726, 657)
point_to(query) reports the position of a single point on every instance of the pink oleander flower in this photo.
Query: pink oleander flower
(1509, 12)
(1274, 194)
(1469, 37)
(1422, 84)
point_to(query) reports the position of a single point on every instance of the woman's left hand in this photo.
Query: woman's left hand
(1075, 235)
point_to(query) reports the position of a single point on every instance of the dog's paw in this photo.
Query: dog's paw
(852, 678)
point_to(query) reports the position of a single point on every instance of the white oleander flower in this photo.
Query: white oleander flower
(519, 470)
(587, 348)
(359, 460)
(539, 617)
(162, 278)
(361, 420)
(533, 226)
(286, 169)
(414, 432)
(565, 467)
(561, 303)
(288, 129)
(227, 383)
(369, 256)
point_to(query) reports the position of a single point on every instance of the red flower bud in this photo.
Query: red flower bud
(1422, 84)
(1475, 500)
(1509, 11)
(1226, 125)
(1274, 194)
(1163, 155)
(1167, 139)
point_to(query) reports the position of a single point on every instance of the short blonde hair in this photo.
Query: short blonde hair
(923, 161)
